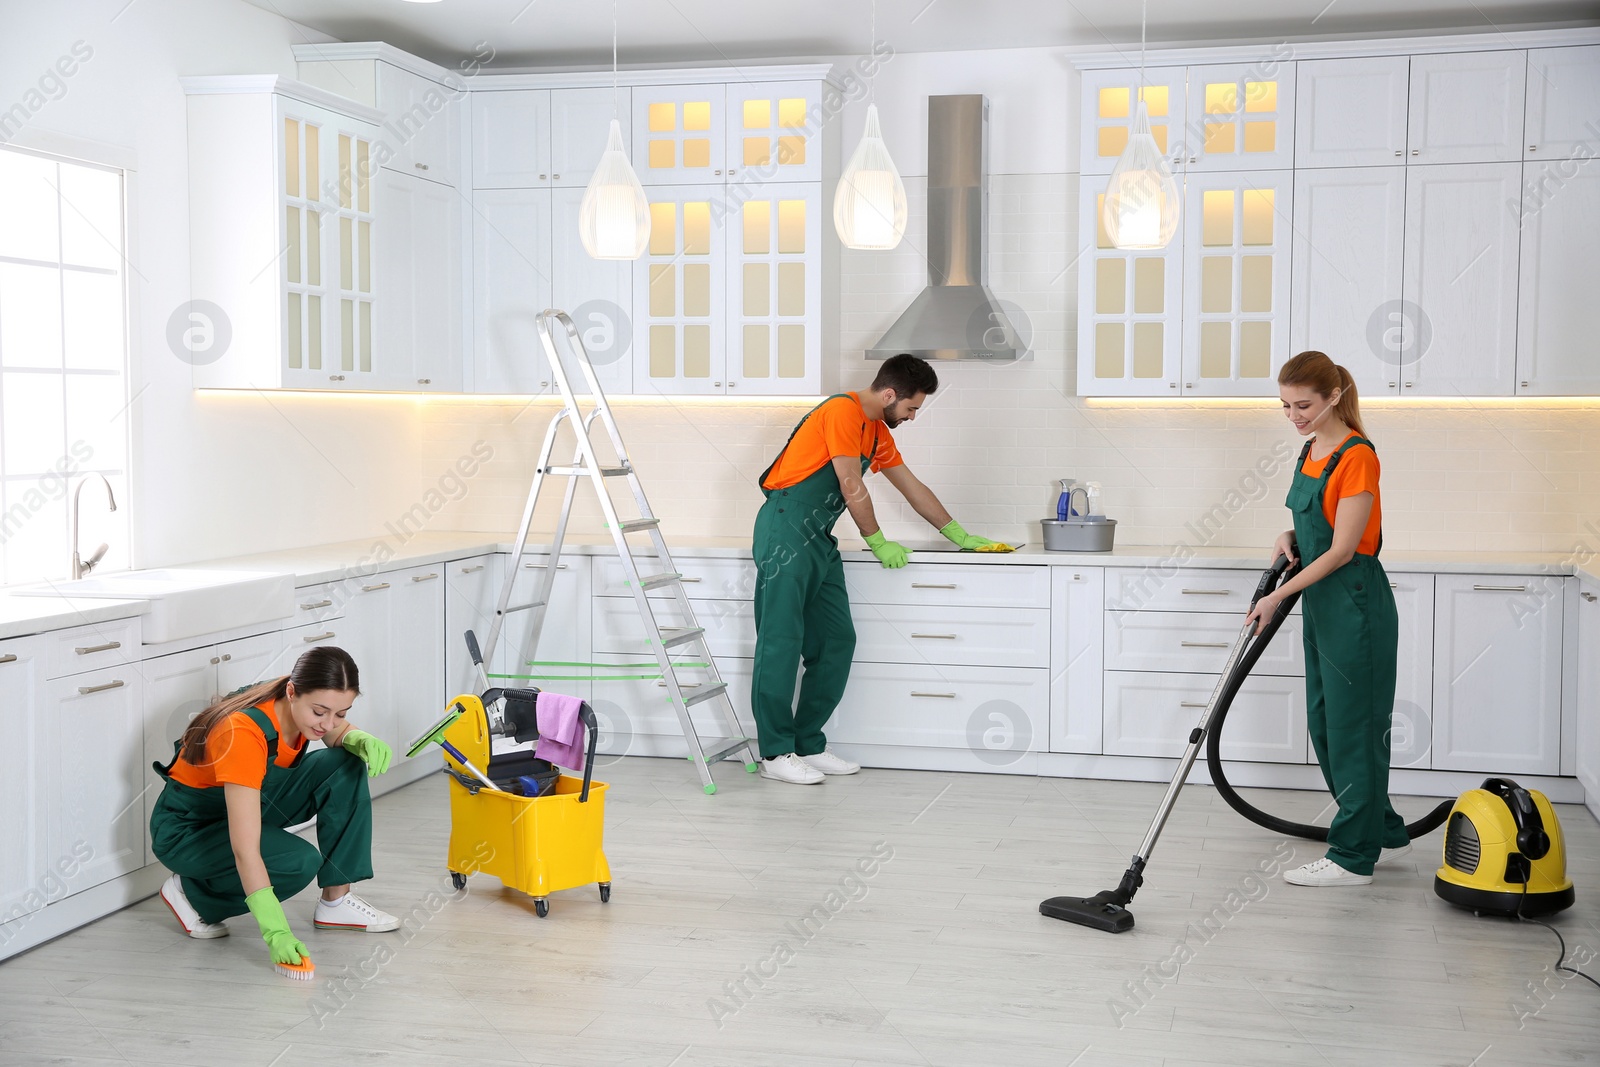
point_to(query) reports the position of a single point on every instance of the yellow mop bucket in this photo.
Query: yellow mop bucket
(534, 844)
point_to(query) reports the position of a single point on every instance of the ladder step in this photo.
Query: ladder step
(682, 637)
(581, 471)
(728, 748)
(705, 694)
(525, 607)
(656, 581)
(630, 525)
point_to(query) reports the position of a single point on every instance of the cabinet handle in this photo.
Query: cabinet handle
(543, 566)
(215, 660)
(1192, 704)
(1500, 588)
(107, 647)
(1191, 159)
(932, 585)
(374, 588)
(1590, 597)
(9, 658)
(1416, 152)
(473, 569)
(1208, 592)
(1410, 384)
(1394, 585)
(1203, 644)
(1533, 148)
(717, 385)
(315, 604)
(335, 377)
(555, 177)
(541, 177)
(424, 381)
(227, 657)
(424, 577)
(1524, 385)
(420, 166)
(318, 637)
(681, 685)
(941, 696)
(85, 690)
(938, 637)
(732, 384)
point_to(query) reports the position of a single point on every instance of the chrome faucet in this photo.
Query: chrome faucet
(81, 566)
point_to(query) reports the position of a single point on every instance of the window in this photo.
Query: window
(63, 363)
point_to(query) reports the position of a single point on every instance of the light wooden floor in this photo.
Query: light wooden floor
(944, 960)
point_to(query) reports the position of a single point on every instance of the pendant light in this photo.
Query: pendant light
(869, 204)
(614, 218)
(1141, 203)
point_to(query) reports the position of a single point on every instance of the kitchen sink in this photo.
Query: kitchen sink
(185, 603)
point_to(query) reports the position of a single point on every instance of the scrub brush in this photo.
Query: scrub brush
(303, 971)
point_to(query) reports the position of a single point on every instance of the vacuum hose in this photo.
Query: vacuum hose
(1281, 570)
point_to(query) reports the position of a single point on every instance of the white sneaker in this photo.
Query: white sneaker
(790, 768)
(1393, 853)
(828, 763)
(1324, 872)
(350, 912)
(183, 911)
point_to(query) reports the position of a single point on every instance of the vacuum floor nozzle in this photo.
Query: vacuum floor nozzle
(1098, 912)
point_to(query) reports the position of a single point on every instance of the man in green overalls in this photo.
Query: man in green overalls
(802, 609)
(1351, 626)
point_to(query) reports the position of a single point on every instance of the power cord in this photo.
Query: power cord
(1560, 967)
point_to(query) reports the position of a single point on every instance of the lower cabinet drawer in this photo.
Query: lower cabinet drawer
(1150, 714)
(315, 603)
(730, 625)
(639, 706)
(996, 713)
(1001, 637)
(959, 584)
(703, 579)
(1209, 589)
(87, 648)
(1194, 641)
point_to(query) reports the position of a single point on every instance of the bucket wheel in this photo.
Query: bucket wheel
(541, 906)
(605, 892)
(459, 881)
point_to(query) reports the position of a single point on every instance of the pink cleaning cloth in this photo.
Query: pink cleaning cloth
(560, 730)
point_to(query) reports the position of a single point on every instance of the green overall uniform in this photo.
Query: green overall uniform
(189, 828)
(802, 609)
(1352, 637)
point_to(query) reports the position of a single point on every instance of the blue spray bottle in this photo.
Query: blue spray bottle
(1064, 508)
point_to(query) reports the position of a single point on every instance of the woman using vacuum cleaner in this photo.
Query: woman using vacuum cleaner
(240, 774)
(1350, 624)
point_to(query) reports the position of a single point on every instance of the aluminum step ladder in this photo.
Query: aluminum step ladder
(665, 642)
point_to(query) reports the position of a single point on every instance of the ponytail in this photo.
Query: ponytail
(323, 667)
(1323, 376)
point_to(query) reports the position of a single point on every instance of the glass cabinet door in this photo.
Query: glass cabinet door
(775, 287)
(679, 134)
(352, 348)
(1109, 97)
(774, 132)
(1128, 303)
(1240, 117)
(306, 285)
(679, 293)
(1237, 233)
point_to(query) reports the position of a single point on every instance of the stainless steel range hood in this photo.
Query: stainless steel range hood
(956, 316)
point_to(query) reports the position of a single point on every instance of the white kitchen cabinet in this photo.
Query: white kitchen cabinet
(1463, 278)
(565, 635)
(1152, 714)
(1129, 309)
(471, 587)
(730, 628)
(1588, 693)
(418, 312)
(774, 132)
(422, 125)
(1193, 641)
(23, 857)
(1077, 654)
(511, 139)
(1555, 294)
(366, 632)
(1345, 282)
(1240, 117)
(580, 122)
(998, 714)
(1497, 673)
(680, 134)
(511, 286)
(281, 218)
(596, 293)
(1110, 97)
(1237, 235)
(1563, 85)
(1351, 112)
(416, 652)
(680, 292)
(1411, 722)
(774, 290)
(948, 587)
(1466, 107)
(96, 772)
(1000, 637)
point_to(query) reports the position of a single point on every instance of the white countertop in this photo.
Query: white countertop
(332, 562)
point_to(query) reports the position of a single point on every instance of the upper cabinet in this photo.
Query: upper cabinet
(773, 132)
(1466, 107)
(1109, 100)
(531, 138)
(680, 134)
(1351, 112)
(1240, 117)
(423, 124)
(1555, 335)
(1563, 88)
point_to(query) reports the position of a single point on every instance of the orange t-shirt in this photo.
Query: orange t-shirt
(839, 427)
(1356, 473)
(236, 753)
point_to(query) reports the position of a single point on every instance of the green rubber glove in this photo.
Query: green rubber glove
(963, 540)
(891, 554)
(374, 753)
(281, 942)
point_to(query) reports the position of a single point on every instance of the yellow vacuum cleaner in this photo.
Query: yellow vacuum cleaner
(1503, 853)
